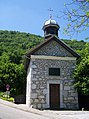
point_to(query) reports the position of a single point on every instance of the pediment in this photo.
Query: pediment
(53, 46)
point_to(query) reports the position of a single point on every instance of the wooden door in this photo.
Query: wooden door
(54, 96)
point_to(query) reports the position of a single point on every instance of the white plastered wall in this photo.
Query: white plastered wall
(28, 87)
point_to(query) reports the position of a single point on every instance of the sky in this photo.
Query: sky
(29, 16)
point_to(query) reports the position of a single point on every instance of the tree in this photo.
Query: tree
(12, 74)
(81, 73)
(13, 45)
(77, 14)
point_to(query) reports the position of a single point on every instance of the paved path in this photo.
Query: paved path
(47, 113)
(71, 114)
(7, 112)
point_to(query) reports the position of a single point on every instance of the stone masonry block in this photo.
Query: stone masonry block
(34, 95)
(66, 87)
(33, 86)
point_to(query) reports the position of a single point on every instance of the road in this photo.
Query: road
(7, 112)
(11, 111)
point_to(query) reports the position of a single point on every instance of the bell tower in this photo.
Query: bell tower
(50, 27)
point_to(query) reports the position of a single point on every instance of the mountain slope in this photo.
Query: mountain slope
(15, 44)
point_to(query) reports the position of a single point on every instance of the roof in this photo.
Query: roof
(50, 21)
(47, 40)
(53, 37)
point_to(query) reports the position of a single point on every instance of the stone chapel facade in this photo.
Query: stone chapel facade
(49, 72)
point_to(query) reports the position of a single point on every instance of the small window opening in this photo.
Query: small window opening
(54, 71)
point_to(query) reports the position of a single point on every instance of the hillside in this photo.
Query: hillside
(13, 46)
(16, 44)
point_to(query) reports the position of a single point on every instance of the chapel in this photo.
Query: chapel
(50, 67)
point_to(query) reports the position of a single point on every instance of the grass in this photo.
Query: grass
(5, 96)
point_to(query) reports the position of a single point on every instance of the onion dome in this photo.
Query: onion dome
(50, 27)
(50, 21)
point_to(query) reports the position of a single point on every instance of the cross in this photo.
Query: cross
(50, 11)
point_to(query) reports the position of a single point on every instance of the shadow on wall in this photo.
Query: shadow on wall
(21, 99)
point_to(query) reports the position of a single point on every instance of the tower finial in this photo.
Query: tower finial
(50, 13)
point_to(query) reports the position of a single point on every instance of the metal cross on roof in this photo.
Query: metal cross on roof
(50, 12)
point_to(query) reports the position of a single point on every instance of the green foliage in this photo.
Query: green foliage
(76, 45)
(11, 99)
(1, 94)
(14, 75)
(87, 14)
(77, 14)
(13, 46)
(4, 97)
(81, 73)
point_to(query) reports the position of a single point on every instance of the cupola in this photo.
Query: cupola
(50, 27)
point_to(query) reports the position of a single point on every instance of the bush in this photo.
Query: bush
(5, 97)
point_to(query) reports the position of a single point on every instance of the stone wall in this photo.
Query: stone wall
(53, 49)
(40, 80)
